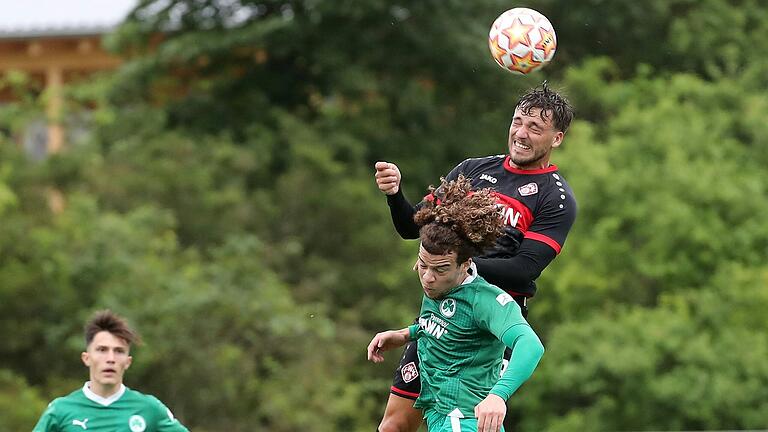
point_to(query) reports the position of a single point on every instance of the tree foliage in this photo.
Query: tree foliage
(223, 200)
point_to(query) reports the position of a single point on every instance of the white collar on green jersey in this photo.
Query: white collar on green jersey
(106, 401)
(471, 273)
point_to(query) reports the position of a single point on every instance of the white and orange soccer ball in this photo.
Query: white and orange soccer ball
(522, 40)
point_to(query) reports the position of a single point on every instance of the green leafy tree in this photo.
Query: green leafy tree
(694, 363)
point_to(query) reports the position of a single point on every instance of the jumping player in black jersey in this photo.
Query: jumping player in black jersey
(535, 201)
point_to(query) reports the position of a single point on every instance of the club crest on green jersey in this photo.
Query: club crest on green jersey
(448, 307)
(137, 423)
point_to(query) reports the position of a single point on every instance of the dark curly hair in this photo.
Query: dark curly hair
(551, 104)
(456, 219)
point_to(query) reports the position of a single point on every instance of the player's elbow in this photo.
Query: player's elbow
(393, 425)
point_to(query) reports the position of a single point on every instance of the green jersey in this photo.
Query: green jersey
(125, 411)
(460, 346)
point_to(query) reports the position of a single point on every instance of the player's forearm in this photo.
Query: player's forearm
(402, 215)
(515, 273)
(526, 353)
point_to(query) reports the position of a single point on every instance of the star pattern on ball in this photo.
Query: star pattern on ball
(518, 33)
(496, 50)
(523, 64)
(547, 43)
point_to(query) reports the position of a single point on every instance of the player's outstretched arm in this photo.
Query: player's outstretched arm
(386, 341)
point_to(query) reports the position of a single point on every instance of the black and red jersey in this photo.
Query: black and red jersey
(538, 208)
(538, 203)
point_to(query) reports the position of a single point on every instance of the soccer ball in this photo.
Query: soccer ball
(522, 40)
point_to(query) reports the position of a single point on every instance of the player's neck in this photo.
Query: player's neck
(539, 164)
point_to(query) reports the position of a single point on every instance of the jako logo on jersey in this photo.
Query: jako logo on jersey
(488, 178)
(137, 423)
(529, 189)
(448, 307)
(409, 372)
(504, 298)
(432, 327)
(82, 424)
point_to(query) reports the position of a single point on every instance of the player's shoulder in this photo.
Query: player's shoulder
(64, 404)
(551, 184)
(482, 288)
(483, 160)
(135, 397)
(556, 178)
(152, 403)
(141, 397)
(75, 396)
(488, 296)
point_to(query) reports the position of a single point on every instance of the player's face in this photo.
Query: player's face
(107, 357)
(531, 139)
(439, 273)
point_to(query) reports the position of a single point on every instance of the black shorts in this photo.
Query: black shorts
(406, 382)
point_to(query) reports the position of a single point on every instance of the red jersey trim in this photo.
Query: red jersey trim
(544, 239)
(403, 393)
(508, 166)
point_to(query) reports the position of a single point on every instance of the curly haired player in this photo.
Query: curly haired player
(465, 323)
(538, 209)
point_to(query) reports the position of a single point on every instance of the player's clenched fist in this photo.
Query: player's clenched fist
(388, 177)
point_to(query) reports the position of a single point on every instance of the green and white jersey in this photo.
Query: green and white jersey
(459, 346)
(125, 411)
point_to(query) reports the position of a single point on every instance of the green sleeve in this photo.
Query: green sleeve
(47, 422)
(166, 421)
(413, 332)
(526, 353)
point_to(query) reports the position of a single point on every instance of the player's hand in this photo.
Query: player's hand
(386, 341)
(388, 177)
(490, 414)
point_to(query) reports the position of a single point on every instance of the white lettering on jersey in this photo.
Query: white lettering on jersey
(486, 177)
(432, 327)
(504, 298)
(82, 424)
(511, 216)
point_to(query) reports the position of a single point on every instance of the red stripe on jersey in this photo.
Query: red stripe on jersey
(508, 166)
(515, 213)
(544, 239)
(403, 392)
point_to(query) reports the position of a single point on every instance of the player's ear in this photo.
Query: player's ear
(85, 358)
(128, 364)
(465, 265)
(558, 139)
